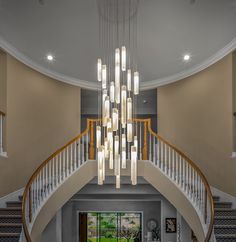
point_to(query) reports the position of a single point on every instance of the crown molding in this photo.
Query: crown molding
(55, 75)
(94, 86)
(193, 70)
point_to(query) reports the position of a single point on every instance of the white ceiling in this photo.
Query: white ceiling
(167, 29)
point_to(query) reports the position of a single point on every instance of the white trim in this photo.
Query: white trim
(11, 197)
(233, 155)
(94, 85)
(224, 197)
(3, 154)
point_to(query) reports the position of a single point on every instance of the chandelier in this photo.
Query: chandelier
(116, 136)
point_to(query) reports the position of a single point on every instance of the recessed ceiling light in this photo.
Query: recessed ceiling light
(50, 57)
(186, 57)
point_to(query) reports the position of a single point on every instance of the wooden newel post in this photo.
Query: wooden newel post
(30, 205)
(91, 143)
(205, 214)
(145, 151)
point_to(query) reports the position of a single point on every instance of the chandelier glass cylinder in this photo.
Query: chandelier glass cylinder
(118, 76)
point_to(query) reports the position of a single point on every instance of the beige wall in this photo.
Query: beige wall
(196, 115)
(42, 115)
(234, 99)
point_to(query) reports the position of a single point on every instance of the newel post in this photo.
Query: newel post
(145, 151)
(91, 142)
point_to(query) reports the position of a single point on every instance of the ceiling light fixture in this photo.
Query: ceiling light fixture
(186, 57)
(117, 72)
(50, 57)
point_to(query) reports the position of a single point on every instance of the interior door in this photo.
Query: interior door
(83, 227)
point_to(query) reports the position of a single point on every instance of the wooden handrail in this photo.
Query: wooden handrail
(37, 171)
(2, 113)
(90, 127)
(197, 169)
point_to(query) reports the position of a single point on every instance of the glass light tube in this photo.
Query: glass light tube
(104, 76)
(123, 58)
(112, 92)
(117, 83)
(129, 109)
(111, 163)
(133, 165)
(129, 132)
(103, 155)
(123, 141)
(106, 110)
(98, 136)
(115, 119)
(136, 83)
(109, 123)
(116, 154)
(118, 181)
(99, 70)
(104, 95)
(123, 157)
(136, 142)
(117, 56)
(106, 148)
(129, 85)
(100, 165)
(123, 106)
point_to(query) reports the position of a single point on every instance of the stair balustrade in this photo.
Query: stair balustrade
(172, 162)
(2, 118)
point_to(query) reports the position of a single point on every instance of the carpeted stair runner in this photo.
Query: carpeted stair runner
(11, 221)
(225, 221)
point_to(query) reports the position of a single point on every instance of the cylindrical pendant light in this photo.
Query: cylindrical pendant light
(117, 84)
(111, 161)
(100, 165)
(123, 58)
(115, 119)
(133, 165)
(129, 85)
(99, 70)
(104, 76)
(136, 83)
(98, 136)
(123, 158)
(129, 110)
(123, 106)
(106, 110)
(129, 132)
(118, 181)
(112, 92)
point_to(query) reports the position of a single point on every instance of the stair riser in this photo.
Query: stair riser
(226, 240)
(225, 221)
(10, 212)
(225, 213)
(10, 229)
(16, 205)
(10, 220)
(9, 239)
(225, 230)
(222, 205)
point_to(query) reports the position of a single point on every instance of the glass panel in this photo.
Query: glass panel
(114, 227)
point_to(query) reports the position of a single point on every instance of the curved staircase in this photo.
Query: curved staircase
(160, 163)
(225, 221)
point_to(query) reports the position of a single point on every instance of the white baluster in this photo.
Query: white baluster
(1, 133)
(140, 140)
(86, 137)
(165, 153)
(155, 159)
(150, 146)
(83, 150)
(173, 164)
(75, 154)
(169, 161)
(158, 153)
(161, 159)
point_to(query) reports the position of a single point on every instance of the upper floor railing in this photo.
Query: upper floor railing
(2, 118)
(164, 156)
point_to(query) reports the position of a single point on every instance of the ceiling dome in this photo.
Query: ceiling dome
(68, 30)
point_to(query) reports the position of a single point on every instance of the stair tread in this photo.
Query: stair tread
(10, 208)
(225, 226)
(10, 225)
(225, 235)
(225, 209)
(10, 216)
(9, 234)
